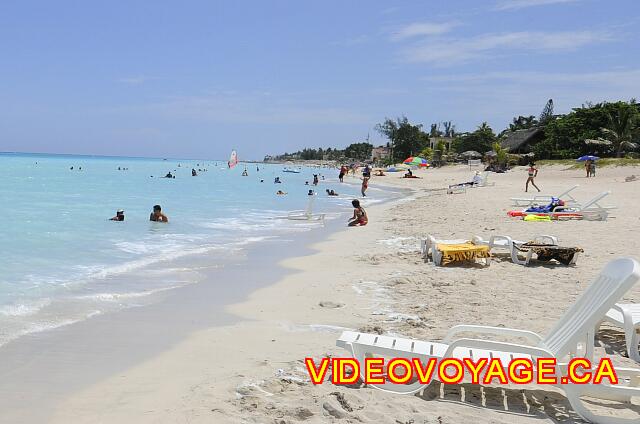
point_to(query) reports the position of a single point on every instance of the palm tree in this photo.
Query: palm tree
(621, 127)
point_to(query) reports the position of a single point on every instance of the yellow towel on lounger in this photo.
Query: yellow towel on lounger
(462, 252)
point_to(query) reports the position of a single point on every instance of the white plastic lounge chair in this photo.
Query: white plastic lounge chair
(507, 243)
(474, 162)
(573, 335)
(431, 252)
(590, 210)
(306, 215)
(627, 316)
(484, 177)
(544, 199)
(428, 246)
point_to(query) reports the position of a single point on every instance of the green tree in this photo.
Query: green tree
(565, 135)
(481, 140)
(501, 154)
(359, 151)
(622, 126)
(547, 113)
(405, 138)
(523, 123)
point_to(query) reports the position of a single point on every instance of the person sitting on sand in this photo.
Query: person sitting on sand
(359, 217)
(157, 215)
(281, 193)
(331, 193)
(119, 216)
(380, 173)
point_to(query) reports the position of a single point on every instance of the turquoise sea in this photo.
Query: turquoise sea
(63, 261)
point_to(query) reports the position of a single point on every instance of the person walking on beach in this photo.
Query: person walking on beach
(592, 168)
(365, 186)
(359, 217)
(533, 172)
(157, 215)
(587, 167)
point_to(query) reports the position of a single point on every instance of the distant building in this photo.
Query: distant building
(434, 141)
(380, 153)
(522, 141)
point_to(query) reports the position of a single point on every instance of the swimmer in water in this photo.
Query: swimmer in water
(281, 193)
(119, 216)
(157, 215)
(331, 193)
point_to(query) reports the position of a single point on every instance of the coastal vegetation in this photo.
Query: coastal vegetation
(606, 129)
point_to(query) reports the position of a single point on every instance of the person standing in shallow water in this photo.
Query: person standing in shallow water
(365, 186)
(533, 172)
(157, 215)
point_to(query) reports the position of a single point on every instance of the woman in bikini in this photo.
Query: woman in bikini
(533, 172)
(359, 217)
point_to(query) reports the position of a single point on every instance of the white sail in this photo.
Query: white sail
(233, 159)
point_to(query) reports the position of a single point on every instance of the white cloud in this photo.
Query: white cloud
(521, 4)
(423, 29)
(444, 52)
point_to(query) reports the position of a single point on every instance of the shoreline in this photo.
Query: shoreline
(373, 279)
(92, 350)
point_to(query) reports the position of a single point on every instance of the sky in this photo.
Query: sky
(194, 79)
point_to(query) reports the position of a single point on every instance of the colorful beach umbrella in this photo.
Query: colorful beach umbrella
(587, 157)
(415, 161)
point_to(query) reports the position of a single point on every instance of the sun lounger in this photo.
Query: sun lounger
(484, 180)
(528, 201)
(627, 316)
(443, 252)
(305, 215)
(590, 210)
(572, 336)
(544, 246)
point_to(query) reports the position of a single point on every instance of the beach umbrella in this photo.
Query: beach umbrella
(415, 161)
(587, 157)
(471, 154)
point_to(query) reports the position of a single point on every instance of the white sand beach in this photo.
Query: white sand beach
(374, 279)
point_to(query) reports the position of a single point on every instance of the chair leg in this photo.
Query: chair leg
(632, 344)
(573, 393)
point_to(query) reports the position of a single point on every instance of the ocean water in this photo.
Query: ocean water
(62, 260)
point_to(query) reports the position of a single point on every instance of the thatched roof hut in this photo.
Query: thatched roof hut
(522, 141)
